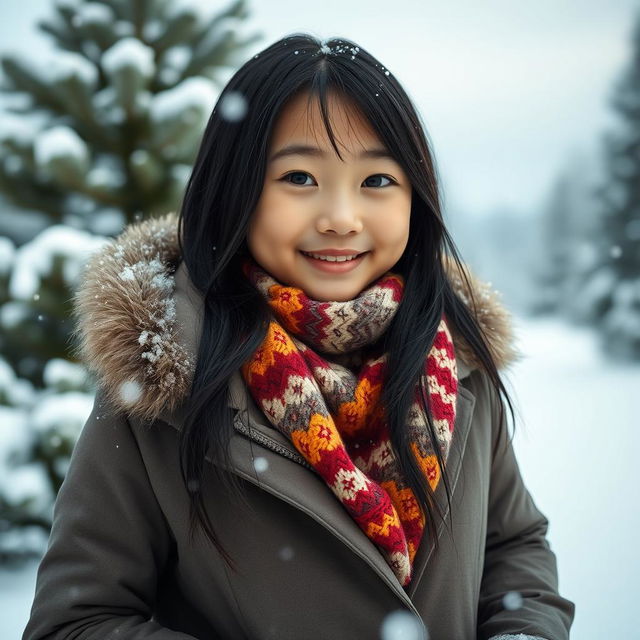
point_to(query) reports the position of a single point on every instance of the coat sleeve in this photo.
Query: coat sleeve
(518, 557)
(108, 543)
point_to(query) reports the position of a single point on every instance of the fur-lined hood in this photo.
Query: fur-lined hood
(138, 317)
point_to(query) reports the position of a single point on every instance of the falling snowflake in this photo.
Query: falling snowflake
(130, 391)
(260, 464)
(402, 625)
(512, 600)
(233, 106)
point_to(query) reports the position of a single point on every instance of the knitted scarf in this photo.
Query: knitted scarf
(330, 412)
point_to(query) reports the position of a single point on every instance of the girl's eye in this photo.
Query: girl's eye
(379, 175)
(297, 174)
(301, 175)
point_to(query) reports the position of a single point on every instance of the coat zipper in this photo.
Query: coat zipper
(267, 442)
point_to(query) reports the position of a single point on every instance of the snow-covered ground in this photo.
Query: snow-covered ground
(578, 453)
(576, 444)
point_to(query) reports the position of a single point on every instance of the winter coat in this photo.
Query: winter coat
(120, 563)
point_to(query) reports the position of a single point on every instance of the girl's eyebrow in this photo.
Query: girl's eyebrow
(306, 150)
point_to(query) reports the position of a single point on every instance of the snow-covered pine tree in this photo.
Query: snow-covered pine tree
(103, 133)
(550, 270)
(564, 239)
(110, 125)
(612, 289)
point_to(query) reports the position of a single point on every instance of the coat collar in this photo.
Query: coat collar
(138, 321)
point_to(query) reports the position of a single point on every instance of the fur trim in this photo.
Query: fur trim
(127, 334)
(125, 319)
(493, 318)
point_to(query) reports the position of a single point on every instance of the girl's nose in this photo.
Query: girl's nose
(340, 216)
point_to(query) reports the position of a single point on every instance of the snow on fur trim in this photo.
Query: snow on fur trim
(125, 319)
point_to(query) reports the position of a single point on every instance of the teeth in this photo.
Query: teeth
(331, 258)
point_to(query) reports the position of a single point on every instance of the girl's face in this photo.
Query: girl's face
(312, 201)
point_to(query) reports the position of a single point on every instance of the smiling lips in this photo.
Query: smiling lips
(334, 261)
(334, 252)
(331, 257)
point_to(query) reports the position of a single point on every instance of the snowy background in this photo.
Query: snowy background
(515, 97)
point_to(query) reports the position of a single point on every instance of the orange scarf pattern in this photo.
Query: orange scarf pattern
(331, 414)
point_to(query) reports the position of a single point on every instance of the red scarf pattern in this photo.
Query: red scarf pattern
(331, 414)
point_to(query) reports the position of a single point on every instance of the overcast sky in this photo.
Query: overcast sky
(508, 89)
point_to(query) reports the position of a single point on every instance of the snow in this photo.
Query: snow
(153, 29)
(28, 482)
(198, 94)
(20, 130)
(105, 99)
(34, 260)
(7, 255)
(106, 105)
(286, 553)
(60, 142)
(632, 229)
(152, 271)
(20, 481)
(108, 221)
(93, 13)
(600, 284)
(577, 454)
(233, 106)
(78, 207)
(13, 313)
(175, 60)
(61, 373)
(123, 28)
(13, 165)
(199, 11)
(129, 53)
(402, 625)
(31, 537)
(260, 464)
(66, 64)
(512, 600)
(615, 251)
(130, 391)
(14, 436)
(622, 322)
(576, 442)
(180, 173)
(178, 57)
(15, 391)
(64, 413)
(106, 174)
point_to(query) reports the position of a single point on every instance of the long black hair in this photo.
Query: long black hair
(219, 199)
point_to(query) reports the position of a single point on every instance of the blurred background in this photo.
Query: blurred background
(533, 110)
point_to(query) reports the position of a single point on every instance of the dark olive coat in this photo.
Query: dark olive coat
(120, 563)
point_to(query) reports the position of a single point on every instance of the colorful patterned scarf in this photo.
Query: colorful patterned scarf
(331, 414)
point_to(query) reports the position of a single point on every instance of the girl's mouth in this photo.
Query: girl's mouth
(334, 267)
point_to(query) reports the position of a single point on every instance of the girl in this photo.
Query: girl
(299, 430)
